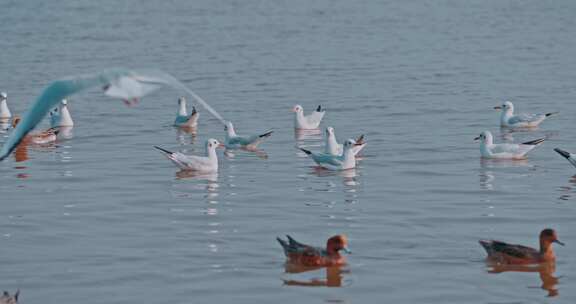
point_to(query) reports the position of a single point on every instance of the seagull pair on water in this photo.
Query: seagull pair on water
(490, 150)
(336, 156)
(209, 162)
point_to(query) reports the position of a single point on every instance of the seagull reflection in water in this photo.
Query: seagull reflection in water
(487, 167)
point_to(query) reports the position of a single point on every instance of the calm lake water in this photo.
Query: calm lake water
(104, 218)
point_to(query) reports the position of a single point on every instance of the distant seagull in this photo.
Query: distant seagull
(509, 120)
(331, 162)
(234, 141)
(6, 298)
(208, 163)
(569, 156)
(311, 121)
(490, 150)
(332, 146)
(60, 116)
(4, 110)
(183, 120)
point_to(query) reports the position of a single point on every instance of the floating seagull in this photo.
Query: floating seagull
(306, 255)
(311, 121)
(488, 149)
(60, 116)
(39, 138)
(569, 156)
(208, 163)
(509, 120)
(128, 85)
(511, 254)
(332, 146)
(234, 141)
(332, 162)
(6, 298)
(4, 110)
(183, 120)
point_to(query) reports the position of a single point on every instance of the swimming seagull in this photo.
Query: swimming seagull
(4, 110)
(490, 150)
(307, 122)
(183, 120)
(332, 146)
(235, 141)
(60, 116)
(331, 162)
(569, 156)
(509, 120)
(129, 85)
(208, 163)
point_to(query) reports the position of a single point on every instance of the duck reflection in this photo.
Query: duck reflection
(545, 271)
(333, 277)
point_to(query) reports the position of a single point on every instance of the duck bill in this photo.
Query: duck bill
(558, 242)
(498, 108)
(476, 138)
(348, 251)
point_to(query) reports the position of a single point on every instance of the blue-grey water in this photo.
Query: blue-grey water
(104, 218)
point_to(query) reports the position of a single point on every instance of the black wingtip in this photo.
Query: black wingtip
(360, 140)
(266, 134)
(562, 152)
(305, 151)
(551, 113)
(319, 108)
(164, 150)
(193, 110)
(535, 142)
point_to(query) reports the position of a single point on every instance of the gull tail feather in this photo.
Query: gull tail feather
(535, 142)
(267, 134)
(305, 151)
(319, 108)
(551, 113)
(164, 150)
(562, 152)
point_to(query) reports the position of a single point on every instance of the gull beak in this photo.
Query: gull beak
(476, 138)
(220, 146)
(345, 249)
(558, 242)
(498, 108)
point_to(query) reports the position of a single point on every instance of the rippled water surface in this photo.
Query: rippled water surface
(104, 218)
